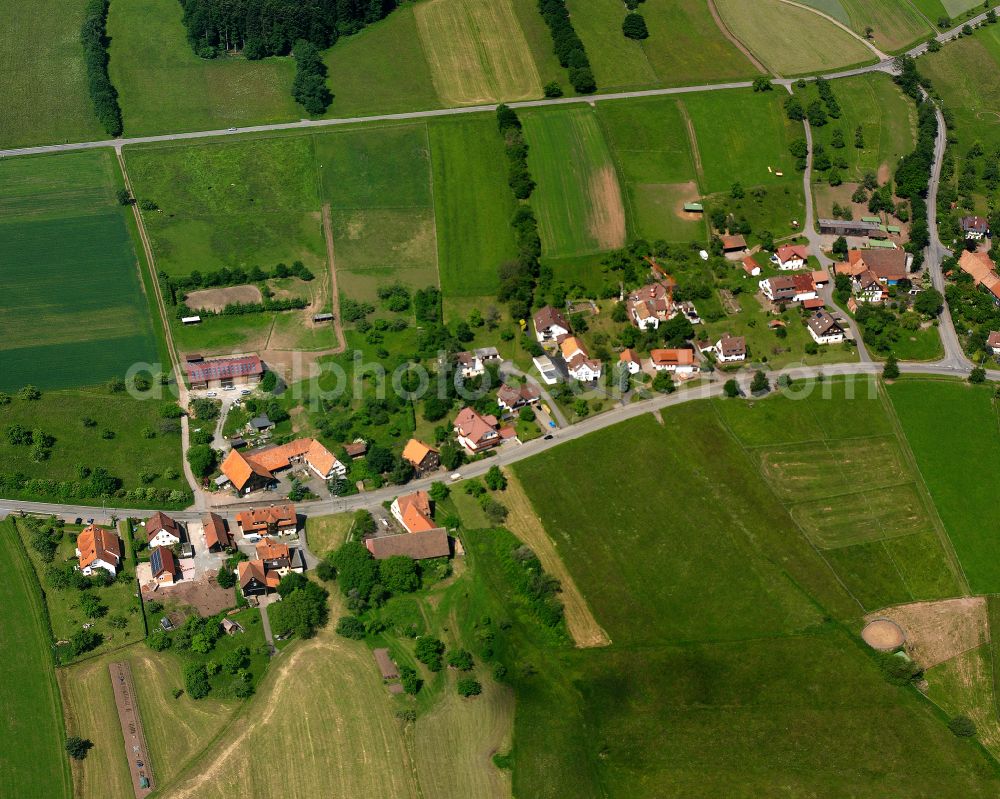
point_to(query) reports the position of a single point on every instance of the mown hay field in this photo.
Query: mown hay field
(578, 200)
(72, 310)
(895, 25)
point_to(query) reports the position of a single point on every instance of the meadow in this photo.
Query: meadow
(168, 88)
(962, 492)
(33, 763)
(72, 310)
(44, 83)
(578, 199)
(895, 25)
(819, 45)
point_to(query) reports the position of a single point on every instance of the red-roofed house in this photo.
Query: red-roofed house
(280, 519)
(679, 361)
(476, 432)
(413, 511)
(790, 256)
(422, 457)
(993, 342)
(162, 531)
(98, 548)
(510, 398)
(750, 266)
(649, 306)
(223, 372)
(631, 361)
(550, 325)
(983, 271)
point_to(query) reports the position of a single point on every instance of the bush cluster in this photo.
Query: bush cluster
(94, 37)
(309, 87)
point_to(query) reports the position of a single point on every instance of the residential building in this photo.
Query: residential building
(511, 398)
(245, 474)
(253, 470)
(729, 349)
(983, 271)
(584, 369)
(750, 266)
(217, 537)
(546, 369)
(474, 363)
(99, 548)
(648, 306)
(824, 328)
(223, 372)
(273, 554)
(788, 288)
(422, 457)
(975, 227)
(550, 325)
(867, 288)
(476, 432)
(631, 361)
(413, 511)
(163, 566)
(680, 361)
(790, 256)
(274, 519)
(162, 531)
(426, 544)
(254, 580)
(993, 342)
(889, 266)
(570, 347)
(690, 312)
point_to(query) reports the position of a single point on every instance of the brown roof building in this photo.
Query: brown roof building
(428, 544)
(423, 457)
(550, 325)
(513, 397)
(475, 431)
(982, 269)
(889, 266)
(161, 530)
(216, 533)
(98, 548)
(275, 518)
(733, 243)
(224, 371)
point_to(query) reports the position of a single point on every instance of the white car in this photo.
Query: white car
(456, 476)
(212, 394)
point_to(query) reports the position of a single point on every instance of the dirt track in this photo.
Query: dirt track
(136, 751)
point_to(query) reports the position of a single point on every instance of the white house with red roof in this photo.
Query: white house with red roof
(476, 432)
(790, 256)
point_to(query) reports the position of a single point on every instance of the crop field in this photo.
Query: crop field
(649, 140)
(473, 204)
(963, 495)
(33, 763)
(578, 200)
(44, 81)
(895, 24)
(168, 88)
(886, 116)
(769, 27)
(71, 305)
(618, 63)
(476, 51)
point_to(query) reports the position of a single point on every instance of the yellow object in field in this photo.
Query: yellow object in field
(524, 325)
(547, 409)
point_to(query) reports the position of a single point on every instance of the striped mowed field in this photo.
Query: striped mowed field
(477, 51)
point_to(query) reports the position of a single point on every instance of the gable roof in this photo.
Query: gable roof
(98, 543)
(224, 368)
(885, 263)
(993, 340)
(160, 521)
(216, 532)
(548, 317)
(732, 345)
(426, 544)
(789, 252)
(162, 561)
(822, 324)
(269, 549)
(249, 570)
(418, 500)
(750, 265)
(734, 243)
(570, 345)
(415, 451)
(982, 269)
(629, 356)
(259, 518)
(471, 425)
(239, 469)
(320, 458)
(672, 357)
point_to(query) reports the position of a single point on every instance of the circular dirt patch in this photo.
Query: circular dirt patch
(883, 634)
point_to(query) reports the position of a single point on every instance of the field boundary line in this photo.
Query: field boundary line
(878, 53)
(338, 328)
(433, 207)
(925, 493)
(816, 441)
(724, 29)
(693, 145)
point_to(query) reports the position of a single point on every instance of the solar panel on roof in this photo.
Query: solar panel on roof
(156, 560)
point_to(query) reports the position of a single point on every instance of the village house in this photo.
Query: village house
(422, 457)
(244, 474)
(474, 363)
(273, 561)
(889, 266)
(570, 347)
(789, 288)
(550, 325)
(983, 271)
(678, 361)
(750, 266)
(217, 537)
(824, 328)
(690, 312)
(223, 372)
(98, 548)
(975, 228)
(790, 256)
(254, 580)
(729, 349)
(274, 519)
(631, 361)
(649, 306)
(419, 546)
(867, 288)
(162, 531)
(512, 398)
(163, 566)
(993, 342)
(413, 511)
(579, 364)
(254, 470)
(476, 432)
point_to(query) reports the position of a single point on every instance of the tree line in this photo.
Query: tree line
(94, 37)
(568, 46)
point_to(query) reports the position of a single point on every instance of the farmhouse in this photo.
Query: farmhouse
(280, 519)
(983, 271)
(162, 531)
(848, 227)
(163, 566)
(750, 266)
(679, 361)
(422, 457)
(733, 244)
(223, 372)
(413, 511)
(649, 306)
(473, 364)
(631, 361)
(790, 256)
(550, 325)
(975, 227)
(254, 580)
(731, 348)
(426, 544)
(217, 537)
(889, 266)
(867, 288)
(993, 342)
(476, 432)
(98, 548)
(255, 470)
(245, 474)
(510, 398)
(788, 289)
(824, 328)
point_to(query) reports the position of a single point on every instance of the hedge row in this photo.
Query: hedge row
(567, 45)
(95, 41)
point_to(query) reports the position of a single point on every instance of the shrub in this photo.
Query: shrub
(410, 680)
(634, 27)
(158, 641)
(78, 747)
(428, 650)
(468, 686)
(196, 681)
(962, 726)
(351, 627)
(460, 659)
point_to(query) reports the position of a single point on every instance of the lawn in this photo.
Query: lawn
(324, 533)
(167, 88)
(649, 140)
(44, 83)
(791, 40)
(71, 305)
(472, 202)
(963, 496)
(60, 414)
(33, 763)
(578, 200)
(476, 51)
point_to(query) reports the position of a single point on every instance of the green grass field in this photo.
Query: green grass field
(168, 88)
(819, 44)
(472, 204)
(44, 83)
(895, 25)
(962, 491)
(578, 200)
(71, 305)
(33, 763)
